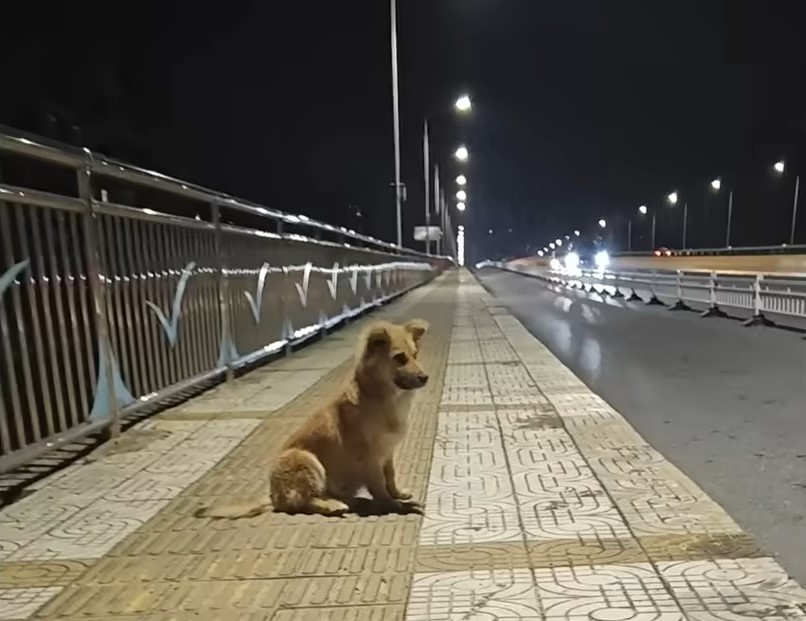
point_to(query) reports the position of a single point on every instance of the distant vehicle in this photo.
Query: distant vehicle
(663, 252)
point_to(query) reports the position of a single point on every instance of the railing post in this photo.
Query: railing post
(679, 304)
(97, 281)
(758, 318)
(223, 291)
(654, 300)
(713, 308)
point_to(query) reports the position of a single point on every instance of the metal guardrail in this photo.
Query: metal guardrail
(107, 308)
(762, 295)
(732, 251)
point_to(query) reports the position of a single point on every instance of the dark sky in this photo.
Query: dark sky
(583, 108)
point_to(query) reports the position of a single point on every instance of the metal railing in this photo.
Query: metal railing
(108, 308)
(782, 296)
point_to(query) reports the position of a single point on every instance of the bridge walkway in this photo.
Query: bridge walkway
(541, 502)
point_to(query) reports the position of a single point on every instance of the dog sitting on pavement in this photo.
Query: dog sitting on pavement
(350, 443)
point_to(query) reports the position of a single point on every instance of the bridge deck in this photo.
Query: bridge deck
(541, 503)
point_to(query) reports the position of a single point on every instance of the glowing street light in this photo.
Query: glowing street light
(672, 198)
(552, 246)
(463, 103)
(461, 154)
(716, 184)
(779, 167)
(603, 223)
(642, 210)
(559, 243)
(576, 233)
(461, 195)
(461, 180)
(461, 206)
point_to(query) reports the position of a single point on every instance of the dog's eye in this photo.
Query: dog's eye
(401, 358)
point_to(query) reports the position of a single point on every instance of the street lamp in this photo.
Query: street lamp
(603, 223)
(461, 180)
(673, 198)
(716, 184)
(576, 233)
(461, 206)
(463, 103)
(396, 121)
(461, 154)
(779, 168)
(461, 195)
(552, 246)
(643, 211)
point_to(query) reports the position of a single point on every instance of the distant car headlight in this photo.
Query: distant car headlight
(571, 261)
(555, 264)
(602, 259)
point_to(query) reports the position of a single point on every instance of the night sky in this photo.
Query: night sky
(583, 108)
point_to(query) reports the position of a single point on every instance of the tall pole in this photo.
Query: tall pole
(685, 223)
(629, 235)
(794, 211)
(730, 217)
(444, 227)
(426, 171)
(654, 222)
(396, 122)
(437, 206)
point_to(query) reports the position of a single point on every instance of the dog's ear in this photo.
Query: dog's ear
(378, 337)
(416, 327)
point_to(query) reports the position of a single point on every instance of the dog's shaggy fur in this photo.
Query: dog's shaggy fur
(349, 444)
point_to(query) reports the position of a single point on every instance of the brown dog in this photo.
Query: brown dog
(350, 443)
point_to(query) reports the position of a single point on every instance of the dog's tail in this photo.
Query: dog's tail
(235, 510)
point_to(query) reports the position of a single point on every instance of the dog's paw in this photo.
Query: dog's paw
(411, 506)
(402, 495)
(405, 507)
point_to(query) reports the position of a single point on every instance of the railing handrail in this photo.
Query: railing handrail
(777, 249)
(697, 271)
(66, 155)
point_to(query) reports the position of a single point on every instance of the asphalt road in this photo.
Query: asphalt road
(726, 404)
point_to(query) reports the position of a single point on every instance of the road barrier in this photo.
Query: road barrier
(782, 296)
(124, 290)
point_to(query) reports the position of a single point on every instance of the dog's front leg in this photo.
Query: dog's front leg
(391, 484)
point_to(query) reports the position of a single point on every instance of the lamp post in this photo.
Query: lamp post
(673, 199)
(396, 121)
(780, 167)
(462, 105)
(716, 185)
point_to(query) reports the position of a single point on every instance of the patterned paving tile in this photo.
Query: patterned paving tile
(90, 533)
(22, 603)
(734, 590)
(477, 595)
(85, 511)
(605, 592)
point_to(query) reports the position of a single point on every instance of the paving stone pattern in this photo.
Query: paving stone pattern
(541, 503)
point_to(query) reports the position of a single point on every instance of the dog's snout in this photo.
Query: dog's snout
(422, 378)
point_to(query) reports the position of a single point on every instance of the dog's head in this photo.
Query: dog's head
(390, 352)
